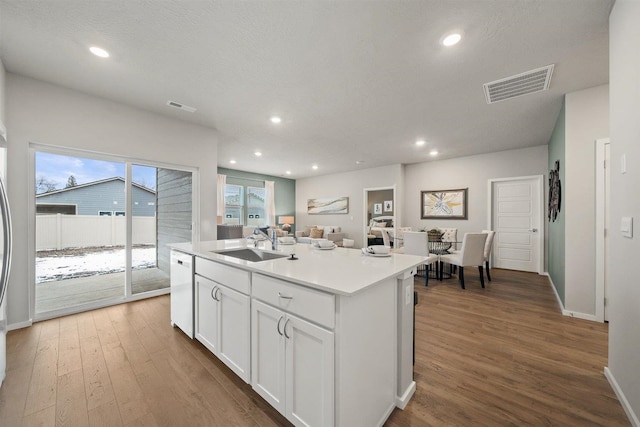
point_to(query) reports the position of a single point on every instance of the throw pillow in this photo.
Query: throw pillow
(316, 233)
(380, 224)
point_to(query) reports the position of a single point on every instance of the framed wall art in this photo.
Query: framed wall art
(388, 205)
(329, 205)
(444, 204)
(377, 208)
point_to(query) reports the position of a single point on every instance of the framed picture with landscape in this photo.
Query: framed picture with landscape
(444, 204)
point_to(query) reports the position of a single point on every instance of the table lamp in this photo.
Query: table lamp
(286, 222)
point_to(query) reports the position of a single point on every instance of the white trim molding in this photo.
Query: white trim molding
(621, 397)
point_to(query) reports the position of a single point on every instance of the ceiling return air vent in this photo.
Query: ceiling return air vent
(180, 106)
(522, 84)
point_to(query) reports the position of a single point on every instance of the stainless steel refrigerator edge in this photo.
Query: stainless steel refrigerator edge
(5, 255)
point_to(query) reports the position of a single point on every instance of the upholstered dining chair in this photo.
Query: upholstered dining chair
(488, 248)
(450, 235)
(415, 243)
(470, 255)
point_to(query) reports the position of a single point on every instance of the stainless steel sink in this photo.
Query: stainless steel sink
(253, 255)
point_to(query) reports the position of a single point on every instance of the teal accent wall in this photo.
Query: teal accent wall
(556, 230)
(285, 189)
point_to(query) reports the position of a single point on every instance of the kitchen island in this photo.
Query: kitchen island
(326, 339)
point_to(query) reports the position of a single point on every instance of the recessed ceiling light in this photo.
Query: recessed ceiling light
(258, 154)
(314, 167)
(233, 162)
(359, 162)
(276, 119)
(288, 172)
(433, 152)
(451, 39)
(420, 142)
(98, 51)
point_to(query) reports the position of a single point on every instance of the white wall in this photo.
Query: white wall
(471, 172)
(352, 185)
(587, 119)
(47, 114)
(624, 311)
(2, 92)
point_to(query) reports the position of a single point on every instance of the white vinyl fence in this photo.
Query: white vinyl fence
(81, 231)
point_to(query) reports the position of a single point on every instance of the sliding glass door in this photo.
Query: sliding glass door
(102, 229)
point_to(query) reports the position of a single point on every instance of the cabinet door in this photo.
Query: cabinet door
(235, 337)
(207, 313)
(309, 373)
(267, 354)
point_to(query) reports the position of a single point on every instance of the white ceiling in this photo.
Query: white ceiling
(352, 80)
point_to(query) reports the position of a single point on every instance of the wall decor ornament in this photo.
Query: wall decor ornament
(555, 192)
(328, 205)
(444, 204)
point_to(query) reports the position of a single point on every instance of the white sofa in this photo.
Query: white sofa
(329, 232)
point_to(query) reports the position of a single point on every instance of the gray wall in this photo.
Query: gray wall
(48, 114)
(105, 196)
(352, 185)
(379, 196)
(471, 172)
(555, 242)
(285, 197)
(174, 214)
(586, 119)
(624, 315)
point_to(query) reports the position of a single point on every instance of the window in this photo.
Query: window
(233, 204)
(244, 205)
(255, 206)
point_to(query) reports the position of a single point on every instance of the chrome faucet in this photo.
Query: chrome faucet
(273, 239)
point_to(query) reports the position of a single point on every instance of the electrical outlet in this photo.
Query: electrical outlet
(407, 295)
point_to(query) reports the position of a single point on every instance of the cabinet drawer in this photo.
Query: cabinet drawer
(234, 278)
(319, 307)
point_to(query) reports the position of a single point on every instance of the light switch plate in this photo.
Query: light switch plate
(623, 164)
(626, 226)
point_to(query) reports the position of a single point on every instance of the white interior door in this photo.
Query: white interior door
(516, 206)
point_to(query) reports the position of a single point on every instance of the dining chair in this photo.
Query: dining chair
(471, 255)
(488, 248)
(399, 239)
(385, 236)
(415, 243)
(450, 235)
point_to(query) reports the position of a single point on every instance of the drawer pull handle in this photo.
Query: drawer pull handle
(214, 293)
(278, 326)
(284, 296)
(285, 329)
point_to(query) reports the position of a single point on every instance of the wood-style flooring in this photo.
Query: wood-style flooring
(498, 356)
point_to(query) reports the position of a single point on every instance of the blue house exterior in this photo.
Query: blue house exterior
(104, 197)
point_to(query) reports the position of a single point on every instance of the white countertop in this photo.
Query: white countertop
(341, 271)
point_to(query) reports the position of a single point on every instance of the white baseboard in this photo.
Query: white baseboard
(621, 397)
(564, 311)
(20, 325)
(402, 401)
(555, 291)
(578, 315)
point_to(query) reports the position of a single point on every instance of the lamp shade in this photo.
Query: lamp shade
(286, 220)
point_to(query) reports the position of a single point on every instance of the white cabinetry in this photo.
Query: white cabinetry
(223, 316)
(293, 359)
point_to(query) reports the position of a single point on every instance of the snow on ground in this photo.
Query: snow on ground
(91, 263)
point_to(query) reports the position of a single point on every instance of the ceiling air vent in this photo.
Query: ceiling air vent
(180, 106)
(522, 84)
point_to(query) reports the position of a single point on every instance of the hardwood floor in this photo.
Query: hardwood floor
(499, 356)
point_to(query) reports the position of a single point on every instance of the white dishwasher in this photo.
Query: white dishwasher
(182, 313)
